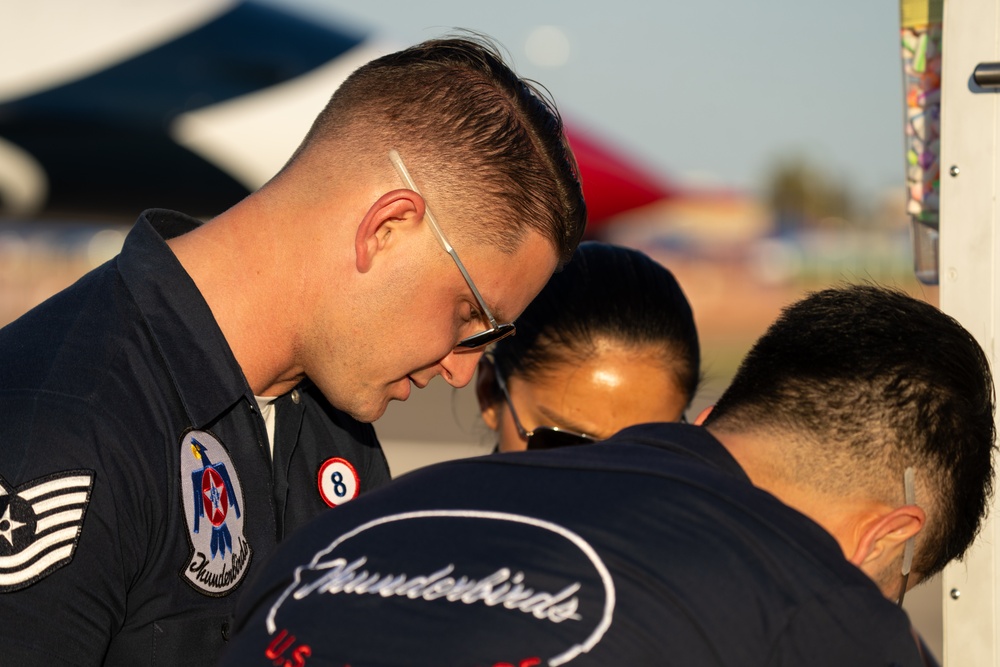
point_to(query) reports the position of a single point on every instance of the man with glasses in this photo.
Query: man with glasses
(850, 458)
(176, 413)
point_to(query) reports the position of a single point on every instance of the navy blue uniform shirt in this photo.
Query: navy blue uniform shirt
(137, 492)
(650, 549)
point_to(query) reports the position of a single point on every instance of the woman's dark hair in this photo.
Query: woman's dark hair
(605, 292)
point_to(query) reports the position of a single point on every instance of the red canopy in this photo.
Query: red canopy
(612, 184)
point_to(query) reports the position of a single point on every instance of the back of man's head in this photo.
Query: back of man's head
(869, 381)
(479, 136)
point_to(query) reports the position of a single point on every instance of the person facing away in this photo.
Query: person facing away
(172, 415)
(850, 458)
(609, 342)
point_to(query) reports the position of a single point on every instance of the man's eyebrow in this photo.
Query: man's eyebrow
(555, 419)
(498, 314)
(495, 310)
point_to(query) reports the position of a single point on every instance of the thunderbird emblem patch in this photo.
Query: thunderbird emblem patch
(40, 523)
(213, 499)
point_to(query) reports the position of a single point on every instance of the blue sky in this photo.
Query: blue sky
(706, 91)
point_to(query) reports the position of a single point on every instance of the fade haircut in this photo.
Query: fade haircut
(606, 293)
(469, 130)
(876, 381)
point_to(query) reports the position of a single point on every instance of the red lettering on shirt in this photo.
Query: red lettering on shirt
(281, 643)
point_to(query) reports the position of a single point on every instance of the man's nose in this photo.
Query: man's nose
(459, 366)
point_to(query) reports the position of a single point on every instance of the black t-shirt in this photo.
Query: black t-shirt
(137, 493)
(650, 549)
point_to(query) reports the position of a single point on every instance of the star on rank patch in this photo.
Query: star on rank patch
(40, 524)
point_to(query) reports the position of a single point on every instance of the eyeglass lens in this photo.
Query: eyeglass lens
(547, 437)
(487, 337)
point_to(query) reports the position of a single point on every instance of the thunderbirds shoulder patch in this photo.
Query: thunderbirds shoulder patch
(40, 524)
(213, 506)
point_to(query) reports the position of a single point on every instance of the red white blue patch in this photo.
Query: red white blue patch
(40, 524)
(338, 481)
(213, 506)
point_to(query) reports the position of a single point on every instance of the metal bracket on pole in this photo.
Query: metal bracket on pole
(987, 75)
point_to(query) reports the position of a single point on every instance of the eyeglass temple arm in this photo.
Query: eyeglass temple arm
(909, 494)
(911, 499)
(513, 413)
(397, 162)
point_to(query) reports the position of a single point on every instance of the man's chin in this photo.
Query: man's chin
(371, 413)
(368, 411)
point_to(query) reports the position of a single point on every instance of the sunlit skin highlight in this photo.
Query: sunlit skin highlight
(615, 387)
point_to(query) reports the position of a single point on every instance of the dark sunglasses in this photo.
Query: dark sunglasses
(542, 437)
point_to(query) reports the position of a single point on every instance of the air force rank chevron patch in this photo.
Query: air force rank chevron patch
(40, 523)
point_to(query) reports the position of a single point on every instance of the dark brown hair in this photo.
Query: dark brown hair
(606, 292)
(877, 381)
(471, 130)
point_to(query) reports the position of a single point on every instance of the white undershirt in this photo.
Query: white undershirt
(267, 410)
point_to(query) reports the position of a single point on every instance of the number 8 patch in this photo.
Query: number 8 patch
(338, 482)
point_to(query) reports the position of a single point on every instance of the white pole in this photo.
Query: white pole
(970, 164)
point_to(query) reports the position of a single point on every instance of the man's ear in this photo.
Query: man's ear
(384, 216)
(703, 415)
(486, 393)
(883, 537)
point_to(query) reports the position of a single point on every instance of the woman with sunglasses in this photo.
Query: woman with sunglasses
(608, 343)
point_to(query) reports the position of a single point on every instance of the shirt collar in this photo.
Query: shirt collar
(635, 448)
(201, 364)
(691, 441)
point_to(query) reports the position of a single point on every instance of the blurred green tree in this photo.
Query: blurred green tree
(803, 194)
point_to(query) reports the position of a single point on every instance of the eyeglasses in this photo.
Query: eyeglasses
(496, 331)
(543, 437)
(910, 495)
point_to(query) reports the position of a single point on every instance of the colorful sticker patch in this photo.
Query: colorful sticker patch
(40, 524)
(338, 481)
(213, 506)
